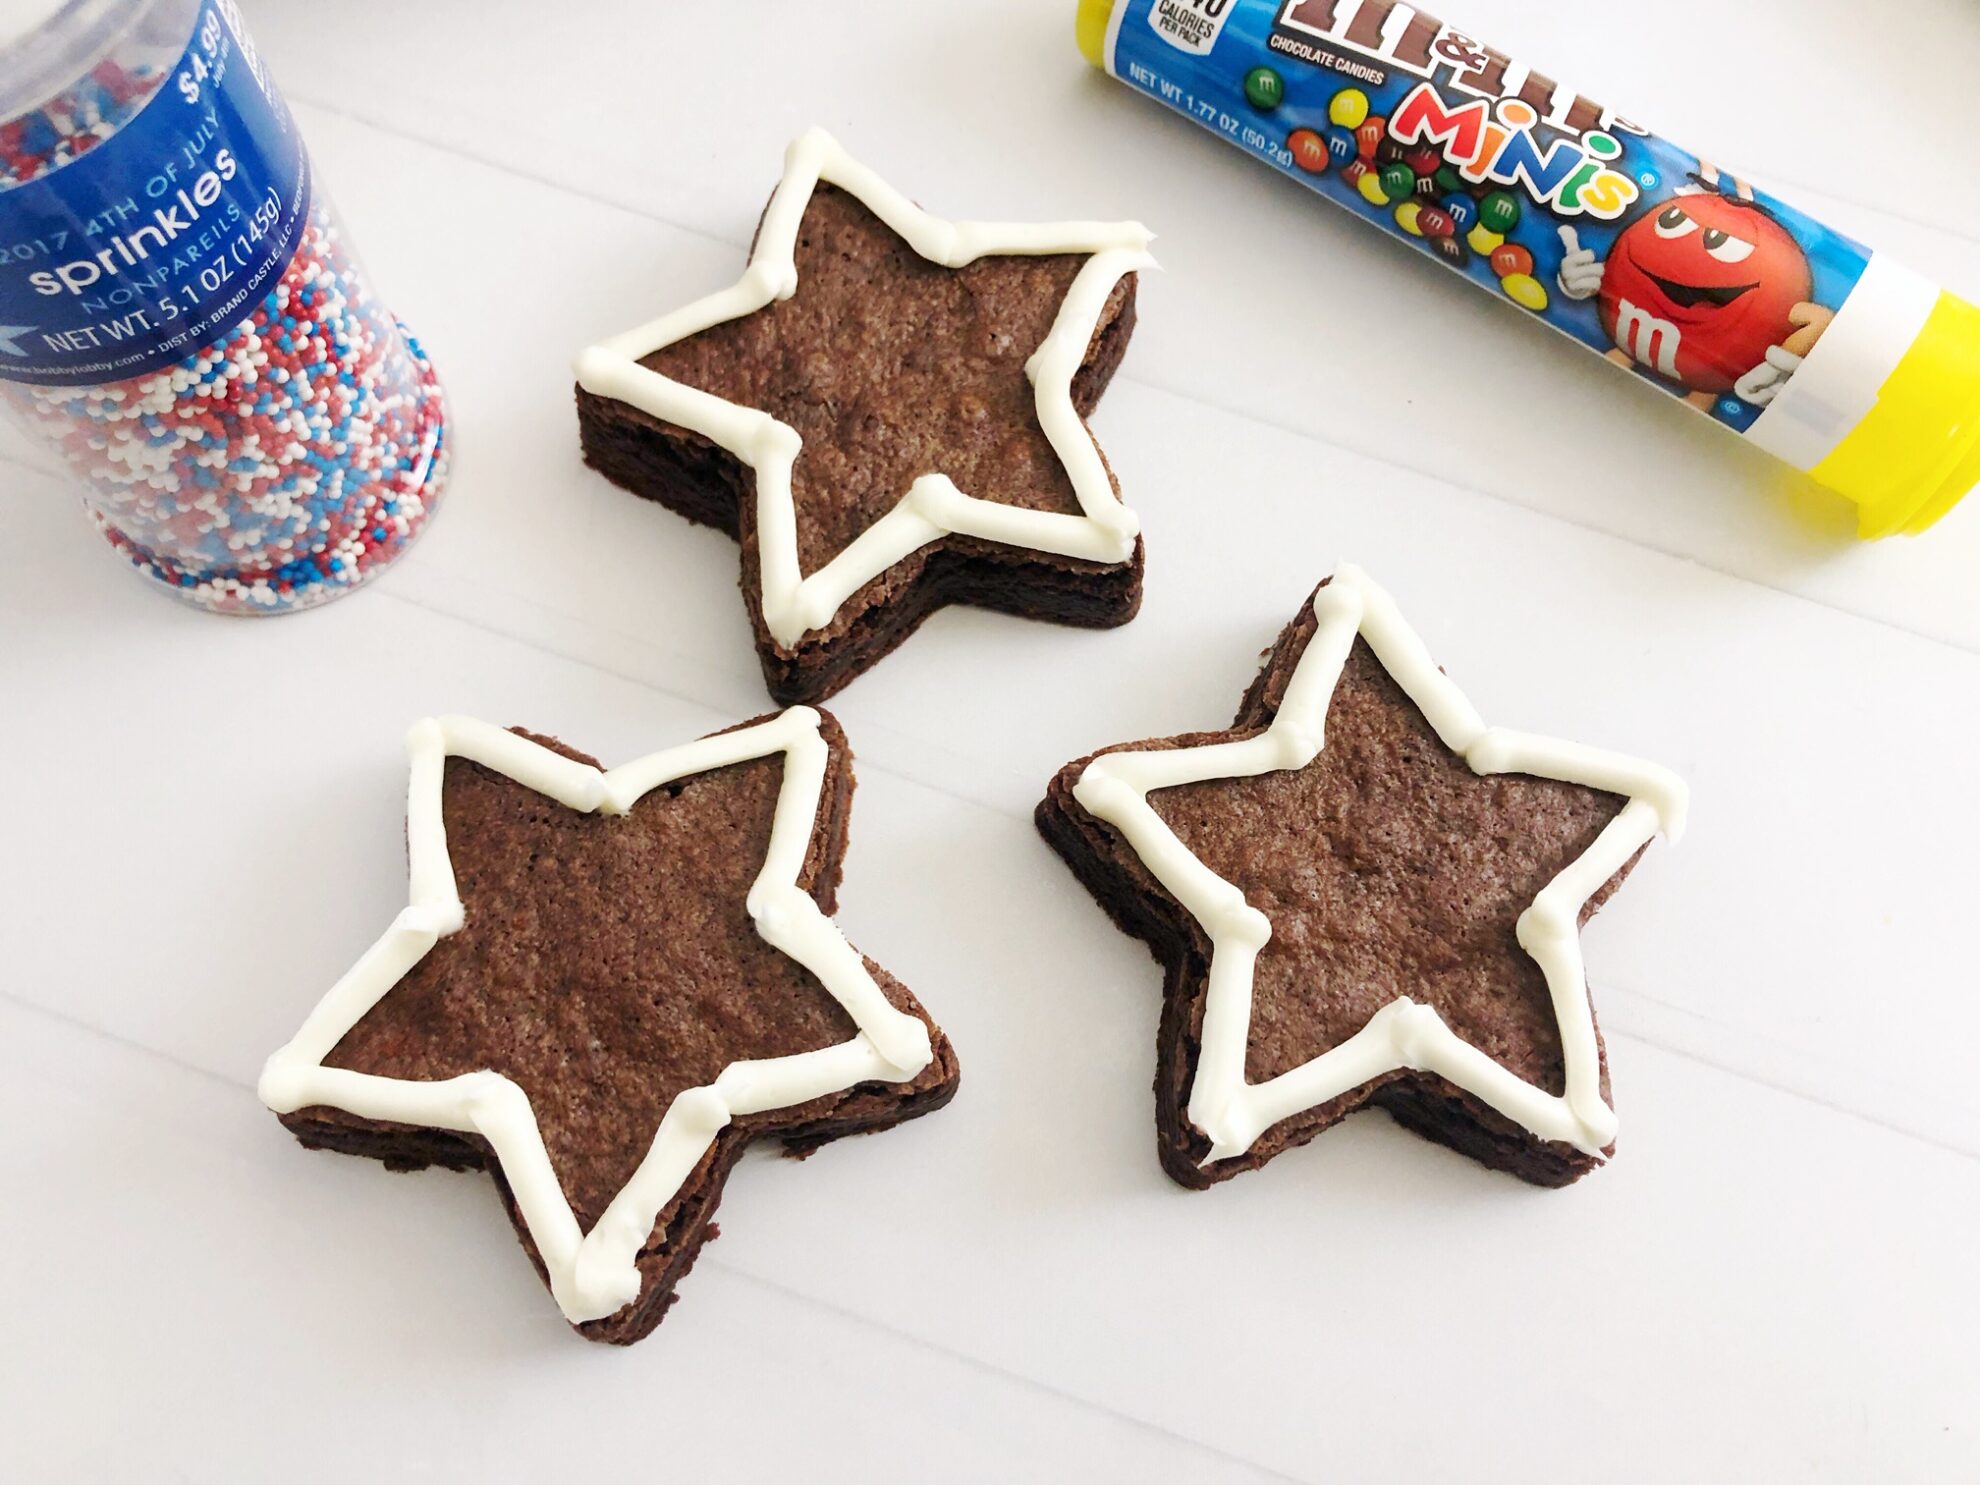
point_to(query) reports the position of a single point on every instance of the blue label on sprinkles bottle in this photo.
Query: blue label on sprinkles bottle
(1640, 250)
(159, 241)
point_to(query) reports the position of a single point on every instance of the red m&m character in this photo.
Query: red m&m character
(1706, 289)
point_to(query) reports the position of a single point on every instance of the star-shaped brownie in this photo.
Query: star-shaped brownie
(888, 411)
(607, 985)
(1361, 894)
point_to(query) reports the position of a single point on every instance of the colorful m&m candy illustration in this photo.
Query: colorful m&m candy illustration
(1434, 221)
(1309, 150)
(1525, 290)
(1514, 266)
(1428, 198)
(1499, 212)
(1348, 108)
(1264, 89)
(1398, 180)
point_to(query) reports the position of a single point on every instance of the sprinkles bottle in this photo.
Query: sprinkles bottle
(182, 319)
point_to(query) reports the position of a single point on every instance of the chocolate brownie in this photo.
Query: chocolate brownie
(889, 367)
(606, 964)
(1391, 876)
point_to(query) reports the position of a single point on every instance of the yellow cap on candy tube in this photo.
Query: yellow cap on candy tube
(1917, 450)
(1091, 30)
(1903, 450)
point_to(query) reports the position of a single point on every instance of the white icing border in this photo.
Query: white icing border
(1403, 1034)
(594, 1274)
(932, 507)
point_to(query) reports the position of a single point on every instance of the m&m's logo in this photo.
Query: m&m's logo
(1486, 141)
(1411, 40)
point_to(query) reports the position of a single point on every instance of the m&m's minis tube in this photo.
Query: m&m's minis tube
(182, 321)
(1827, 355)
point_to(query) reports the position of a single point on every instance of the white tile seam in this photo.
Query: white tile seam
(714, 1261)
(1781, 1087)
(1019, 1378)
(1634, 543)
(13, 460)
(120, 1040)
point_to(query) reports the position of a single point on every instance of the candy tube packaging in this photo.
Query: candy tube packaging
(182, 321)
(1800, 339)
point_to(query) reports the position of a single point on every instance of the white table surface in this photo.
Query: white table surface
(1775, 1278)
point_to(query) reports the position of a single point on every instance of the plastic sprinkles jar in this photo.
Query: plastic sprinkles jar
(182, 319)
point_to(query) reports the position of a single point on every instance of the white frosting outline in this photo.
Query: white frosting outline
(932, 507)
(594, 1274)
(1403, 1034)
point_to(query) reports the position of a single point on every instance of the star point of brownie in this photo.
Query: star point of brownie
(1363, 895)
(605, 985)
(888, 411)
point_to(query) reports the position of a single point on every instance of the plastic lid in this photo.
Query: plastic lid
(1090, 29)
(47, 44)
(1917, 451)
(20, 19)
